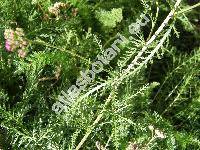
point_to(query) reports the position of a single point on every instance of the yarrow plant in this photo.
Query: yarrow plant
(15, 41)
(137, 90)
(97, 67)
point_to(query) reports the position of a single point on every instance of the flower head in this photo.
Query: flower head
(22, 53)
(54, 11)
(59, 5)
(15, 40)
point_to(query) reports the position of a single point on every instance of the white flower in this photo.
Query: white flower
(59, 5)
(134, 28)
(159, 134)
(34, 2)
(151, 127)
(19, 32)
(7, 33)
(54, 10)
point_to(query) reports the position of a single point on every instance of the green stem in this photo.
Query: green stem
(99, 117)
(99, 3)
(61, 49)
(188, 9)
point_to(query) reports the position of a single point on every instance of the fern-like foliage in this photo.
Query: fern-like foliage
(146, 98)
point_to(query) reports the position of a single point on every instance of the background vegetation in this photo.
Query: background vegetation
(156, 106)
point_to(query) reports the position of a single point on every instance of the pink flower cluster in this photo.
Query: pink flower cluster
(15, 41)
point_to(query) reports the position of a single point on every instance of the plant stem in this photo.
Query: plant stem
(61, 49)
(95, 122)
(117, 81)
(188, 9)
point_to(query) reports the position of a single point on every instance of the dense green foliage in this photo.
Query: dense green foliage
(155, 106)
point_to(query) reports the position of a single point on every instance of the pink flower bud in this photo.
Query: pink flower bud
(8, 46)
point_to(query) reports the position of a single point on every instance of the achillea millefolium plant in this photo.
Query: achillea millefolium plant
(147, 97)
